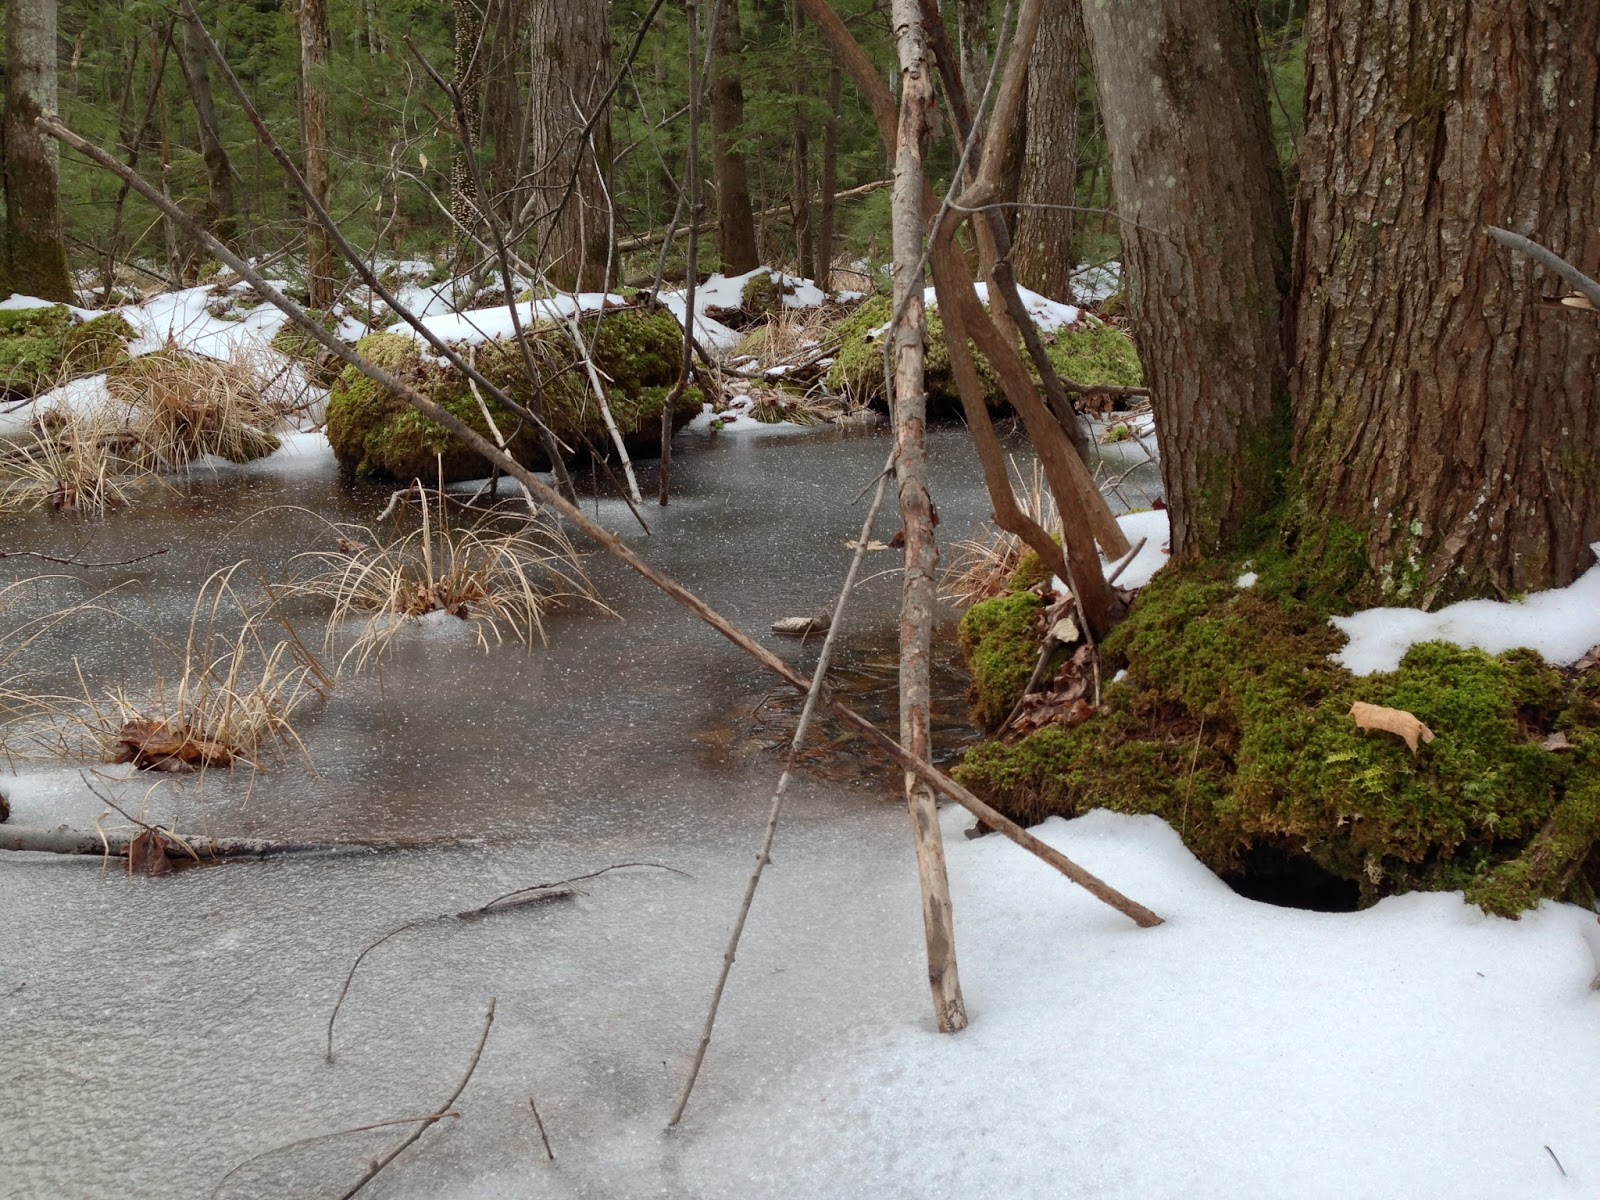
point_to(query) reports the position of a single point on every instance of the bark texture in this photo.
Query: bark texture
(314, 139)
(1042, 249)
(1442, 409)
(571, 69)
(736, 224)
(1206, 245)
(35, 253)
(468, 36)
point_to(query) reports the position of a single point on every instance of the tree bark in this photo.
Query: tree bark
(314, 139)
(919, 591)
(221, 209)
(1442, 410)
(1042, 250)
(800, 204)
(736, 225)
(1205, 234)
(36, 249)
(830, 179)
(571, 65)
(468, 37)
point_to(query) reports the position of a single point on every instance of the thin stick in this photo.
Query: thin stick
(559, 889)
(322, 1137)
(612, 544)
(763, 856)
(1515, 241)
(550, 1155)
(427, 1122)
(75, 562)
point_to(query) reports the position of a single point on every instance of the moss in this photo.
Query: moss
(761, 294)
(375, 433)
(1001, 645)
(1094, 354)
(1233, 725)
(41, 348)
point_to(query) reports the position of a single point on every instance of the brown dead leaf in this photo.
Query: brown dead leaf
(1065, 631)
(158, 746)
(147, 854)
(1397, 721)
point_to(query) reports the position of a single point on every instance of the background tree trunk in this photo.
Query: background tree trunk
(736, 226)
(469, 37)
(1206, 242)
(571, 64)
(1441, 409)
(830, 180)
(35, 250)
(1042, 249)
(221, 209)
(314, 139)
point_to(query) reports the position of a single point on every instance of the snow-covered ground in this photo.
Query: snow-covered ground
(1417, 1049)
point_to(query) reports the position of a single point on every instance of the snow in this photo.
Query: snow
(1561, 624)
(713, 334)
(180, 319)
(17, 301)
(727, 291)
(1151, 525)
(1247, 580)
(1096, 284)
(1417, 1049)
(480, 325)
(736, 418)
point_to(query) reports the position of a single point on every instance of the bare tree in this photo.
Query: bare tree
(1042, 251)
(313, 19)
(736, 224)
(221, 208)
(1205, 236)
(35, 257)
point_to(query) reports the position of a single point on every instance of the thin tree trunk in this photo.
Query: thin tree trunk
(1042, 253)
(916, 509)
(1205, 236)
(804, 243)
(570, 44)
(736, 226)
(314, 140)
(503, 91)
(221, 210)
(691, 177)
(36, 248)
(1443, 413)
(468, 37)
(830, 179)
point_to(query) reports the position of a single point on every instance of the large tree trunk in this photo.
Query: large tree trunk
(35, 249)
(736, 225)
(1042, 248)
(1205, 234)
(314, 139)
(221, 210)
(571, 64)
(1442, 410)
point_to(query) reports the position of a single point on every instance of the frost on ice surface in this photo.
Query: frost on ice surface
(1560, 624)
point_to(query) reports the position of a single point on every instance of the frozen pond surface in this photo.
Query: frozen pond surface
(162, 1031)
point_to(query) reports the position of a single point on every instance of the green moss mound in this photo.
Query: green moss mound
(1234, 726)
(1095, 354)
(41, 348)
(1001, 645)
(298, 344)
(376, 433)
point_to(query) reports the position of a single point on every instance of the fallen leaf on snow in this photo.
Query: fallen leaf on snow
(872, 545)
(1397, 721)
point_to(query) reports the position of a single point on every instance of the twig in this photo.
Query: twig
(1556, 1160)
(1515, 241)
(322, 1137)
(520, 898)
(550, 1155)
(763, 856)
(1116, 571)
(75, 562)
(427, 1122)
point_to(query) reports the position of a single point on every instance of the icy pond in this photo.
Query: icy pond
(165, 1030)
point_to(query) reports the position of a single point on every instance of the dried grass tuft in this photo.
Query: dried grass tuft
(172, 409)
(981, 567)
(500, 575)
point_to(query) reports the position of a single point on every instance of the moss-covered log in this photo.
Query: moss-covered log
(1233, 724)
(1093, 354)
(375, 433)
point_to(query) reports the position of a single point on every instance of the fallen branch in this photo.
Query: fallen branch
(521, 898)
(65, 840)
(614, 545)
(429, 1121)
(75, 562)
(1588, 288)
(323, 1137)
(764, 855)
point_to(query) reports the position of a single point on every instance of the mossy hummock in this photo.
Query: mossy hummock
(42, 348)
(1091, 354)
(1233, 724)
(374, 432)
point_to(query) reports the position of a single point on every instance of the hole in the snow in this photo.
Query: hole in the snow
(1275, 875)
